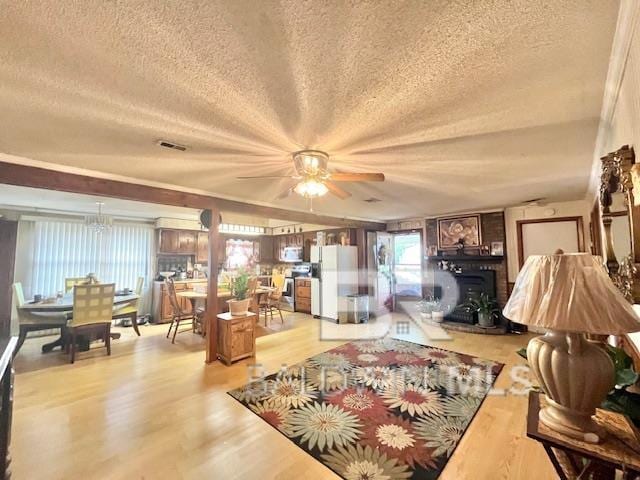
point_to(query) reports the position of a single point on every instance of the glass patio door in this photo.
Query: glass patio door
(407, 265)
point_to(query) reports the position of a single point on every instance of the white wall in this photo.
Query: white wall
(550, 210)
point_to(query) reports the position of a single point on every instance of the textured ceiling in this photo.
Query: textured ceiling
(462, 104)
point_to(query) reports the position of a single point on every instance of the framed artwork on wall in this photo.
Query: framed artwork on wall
(459, 231)
(497, 249)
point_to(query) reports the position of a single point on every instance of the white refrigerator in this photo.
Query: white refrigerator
(334, 275)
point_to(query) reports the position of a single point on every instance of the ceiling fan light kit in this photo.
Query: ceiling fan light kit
(315, 180)
(311, 188)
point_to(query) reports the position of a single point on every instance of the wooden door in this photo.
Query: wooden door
(242, 337)
(202, 247)
(169, 241)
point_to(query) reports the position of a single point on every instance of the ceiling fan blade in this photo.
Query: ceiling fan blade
(337, 191)
(285, 194)
(357, 177)
(267, 176)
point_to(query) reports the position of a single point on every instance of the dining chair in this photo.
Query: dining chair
(130, 310)
(92, 312)
(272, 300)
(71, 282)
(32, 322)
(252, 286)
(178, 315)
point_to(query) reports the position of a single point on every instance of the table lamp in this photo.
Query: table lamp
(570, 295)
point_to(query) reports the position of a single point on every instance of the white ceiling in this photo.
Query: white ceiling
(462, 105)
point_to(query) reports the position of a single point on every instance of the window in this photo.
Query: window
(51, 250)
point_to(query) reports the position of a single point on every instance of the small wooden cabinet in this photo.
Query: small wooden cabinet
(236, 337)
(303, 295)
(186, 242)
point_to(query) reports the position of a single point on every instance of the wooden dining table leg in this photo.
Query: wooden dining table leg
(134, 322)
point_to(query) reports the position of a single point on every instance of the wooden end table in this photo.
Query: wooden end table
(236, 337)
(575, 459)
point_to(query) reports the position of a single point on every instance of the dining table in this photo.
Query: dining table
(193, 296)
(64, 304)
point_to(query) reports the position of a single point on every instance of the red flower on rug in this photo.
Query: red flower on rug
(362, 402)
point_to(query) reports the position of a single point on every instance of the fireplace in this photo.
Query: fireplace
(456, 288)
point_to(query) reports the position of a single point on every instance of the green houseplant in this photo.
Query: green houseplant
(486, 308)
(239, 304)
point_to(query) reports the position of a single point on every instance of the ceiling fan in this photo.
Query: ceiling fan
(313, 178)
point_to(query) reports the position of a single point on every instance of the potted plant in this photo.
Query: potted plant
(437, 313)
(486, 308)
(426, 306)
(239, 304)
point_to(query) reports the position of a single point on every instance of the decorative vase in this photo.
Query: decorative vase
(576, 376)
(437, 317)
(238, 308)
(485, 320)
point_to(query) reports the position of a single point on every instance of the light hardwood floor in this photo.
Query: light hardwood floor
(155, 411)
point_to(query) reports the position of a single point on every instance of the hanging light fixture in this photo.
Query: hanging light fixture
(98, 223)
(311, 188)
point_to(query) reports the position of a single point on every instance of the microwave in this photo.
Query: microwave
(292, 254)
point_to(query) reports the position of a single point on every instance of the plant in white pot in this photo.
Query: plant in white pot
(425, 307)
(437, 313)
(486, 308)
(239, 304)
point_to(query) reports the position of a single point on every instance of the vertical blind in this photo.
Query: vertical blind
(63, 249)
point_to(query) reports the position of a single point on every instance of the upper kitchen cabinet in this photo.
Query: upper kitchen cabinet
(202, 247)
(169, 242)
(187, 242)
(266, 248)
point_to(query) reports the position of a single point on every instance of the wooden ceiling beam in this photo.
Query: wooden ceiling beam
(37, 177)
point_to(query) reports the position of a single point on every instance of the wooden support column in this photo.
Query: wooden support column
(8, 237)
(211, 315)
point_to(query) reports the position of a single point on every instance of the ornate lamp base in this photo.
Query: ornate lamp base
(576, 376)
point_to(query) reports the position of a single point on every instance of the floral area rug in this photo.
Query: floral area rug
(384, 409)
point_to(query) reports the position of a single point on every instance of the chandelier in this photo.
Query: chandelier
(98, 223)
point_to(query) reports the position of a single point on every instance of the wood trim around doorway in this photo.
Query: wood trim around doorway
(579, 228)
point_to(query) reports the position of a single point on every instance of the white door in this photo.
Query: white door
(545, 237)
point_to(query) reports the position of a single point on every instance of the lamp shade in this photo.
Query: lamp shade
(569, 292)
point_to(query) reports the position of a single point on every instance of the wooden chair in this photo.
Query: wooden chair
(272, 300)
(130, 310)
(32, 322)
(179, 315)
(71, 282)
(252, 286)
(92, 312)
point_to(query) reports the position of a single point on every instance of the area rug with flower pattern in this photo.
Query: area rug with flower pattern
(384, 409)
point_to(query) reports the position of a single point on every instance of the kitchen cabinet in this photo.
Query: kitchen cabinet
(186, 242)
(162, 310)
(303, 295)
(308, 240)
(266, 249)
(202, 247)
(169, 242)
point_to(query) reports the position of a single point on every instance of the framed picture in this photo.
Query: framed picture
(484, 250)
(459, 231)
(497, 249)
(432, 251)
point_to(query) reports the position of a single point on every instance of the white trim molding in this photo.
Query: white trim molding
(626, 27)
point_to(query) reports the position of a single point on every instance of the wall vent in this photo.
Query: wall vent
(372, 200)
(171, 145)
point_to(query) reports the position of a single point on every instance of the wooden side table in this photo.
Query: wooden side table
(236, 337)
(574, 459)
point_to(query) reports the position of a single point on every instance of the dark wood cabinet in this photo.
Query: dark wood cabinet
(202, 247)
(186, 242)
(236, 337)
(169, 242)
(266, 249)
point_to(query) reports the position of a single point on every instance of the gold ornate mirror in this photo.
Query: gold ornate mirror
(621, 221)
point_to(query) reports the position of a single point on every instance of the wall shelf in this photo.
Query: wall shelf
(465, 258)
